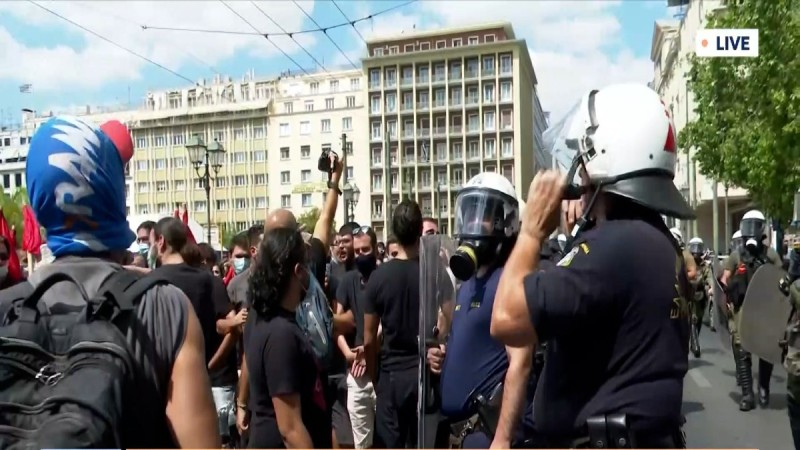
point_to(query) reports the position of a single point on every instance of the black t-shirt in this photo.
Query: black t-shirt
(281, 362)
(617, 330)
(351, 296)
(392, 293)
(210, 301)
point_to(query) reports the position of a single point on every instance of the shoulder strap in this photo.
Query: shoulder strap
(127, 287)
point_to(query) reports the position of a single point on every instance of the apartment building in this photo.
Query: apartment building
(718, 208)
(13, 155)
(444, 106)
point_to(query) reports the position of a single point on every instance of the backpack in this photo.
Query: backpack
(315, 318)
(66, 371)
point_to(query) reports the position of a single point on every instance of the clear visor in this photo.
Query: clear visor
(696, 248)
(737, 242)
(484, 213)
(562, 141)
(752, 228)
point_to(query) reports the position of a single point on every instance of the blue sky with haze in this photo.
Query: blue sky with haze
(575, 46)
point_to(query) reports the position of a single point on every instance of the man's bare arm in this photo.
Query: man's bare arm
(322, 230)
(515, 391)
(371, 323)
(190, 407)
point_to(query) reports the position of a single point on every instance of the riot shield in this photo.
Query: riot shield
(437, 289)
(721, 312)
(764, 315)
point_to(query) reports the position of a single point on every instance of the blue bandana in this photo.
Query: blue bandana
(76, 185)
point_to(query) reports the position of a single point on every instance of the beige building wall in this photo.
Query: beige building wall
(673, 41)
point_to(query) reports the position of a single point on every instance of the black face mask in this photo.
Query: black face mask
(366, 264)
(472, 254)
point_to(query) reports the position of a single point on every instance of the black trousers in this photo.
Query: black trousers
(396, 409)
(794, 420)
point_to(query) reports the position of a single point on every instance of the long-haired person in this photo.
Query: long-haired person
(286, 394)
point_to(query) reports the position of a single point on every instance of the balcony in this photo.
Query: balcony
(406, 81)
(456, 157)
(473, 155)
(424, 133)
(376, 137)
(391, 109)
(408, 159)
(377, 162)
(506, 69)
(473, 128)
(506, 98)
(408, 133)
(439, 103)
(375, 111)
(377, 215)
(423, 79)
(391, 83)
(472, 100)
(470, 74)
(438, 77)
(407, 107)
(488, 99)
(455, 129)
(488, 71)
(439, 131)
(455, 102)
(374, 84)
(506, 126)
(422, 106)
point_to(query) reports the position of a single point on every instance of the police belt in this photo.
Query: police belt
(613, 431)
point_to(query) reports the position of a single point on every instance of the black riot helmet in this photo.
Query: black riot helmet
(486, 220)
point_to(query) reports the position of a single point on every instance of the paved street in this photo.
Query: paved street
(711, 406)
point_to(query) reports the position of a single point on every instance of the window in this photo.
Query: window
(349, 150)
(288, 107)
(506, 117)
(488, 65)
(377, 52)
(238, 134)
(376, 156)
(508, 172)
(457, 42)
(408, 48)
(285, 177)
(305, 151)
(180, 185)
(334, 85)
(505, 64)
(328, 103)
(374, 78)
(351, 101)
(140, 187)
(285, 153)
(222, 205)
(375, 104)
(161, 186)
(377, 209)
(473, 40)
(347, 123)
(350, 174)
(489, 150)
(309, 105)
(314, 87)
(219, 136)
(159, 141)
(505, 91)
(472, 150)
(441, 44)
(305, 175)
(488, 93)
(391, 77)
(260, 179)
(179, 162)
(261, 202)
(306, 198)
(285, 130)
(239, 180)
(161, 164)
(143, 209)
(377, 182)
(240, 203)
(355, 84)
(239, 157)
(376, 130)
(177, 139)
(305, 128)
(141, 142)
(258, 133)
(326, 125)
(424, 46)
(221, 181)
(488, 121)
(259, 156)
(507, 148)
(199, 206)
(286, 201)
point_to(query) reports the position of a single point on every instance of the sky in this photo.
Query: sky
(575, 46)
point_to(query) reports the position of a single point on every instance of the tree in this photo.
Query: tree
(747, 131)
(11, 206)
(310, 218)
(226, 232)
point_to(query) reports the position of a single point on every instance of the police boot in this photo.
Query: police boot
(745, 368)
(764, 375)
(736, 357)
(695, 340)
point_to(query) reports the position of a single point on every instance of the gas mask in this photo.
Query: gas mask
(472, 254)
(752, 246)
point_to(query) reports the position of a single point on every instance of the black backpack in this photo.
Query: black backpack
(67, 371)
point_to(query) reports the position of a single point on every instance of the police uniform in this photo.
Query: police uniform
(742, 358)
(792, 365)
(615, 310)
(700, 287)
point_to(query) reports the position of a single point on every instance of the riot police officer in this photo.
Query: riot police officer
(702, 285)
(688, 259)
(617, 339)
(739, 267)
(473, 364)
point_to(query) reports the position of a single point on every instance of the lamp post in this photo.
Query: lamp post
(205, 158)
(440, 187)
(351, 193)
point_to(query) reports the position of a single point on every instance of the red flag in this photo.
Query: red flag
(176, 214)
(185, 220)
(14, 267)
(229, 276)
(31, 236)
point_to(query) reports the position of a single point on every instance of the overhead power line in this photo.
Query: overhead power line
(353, 24)
(311, 18)
(257, 33)
(121, 47)
(291, 36)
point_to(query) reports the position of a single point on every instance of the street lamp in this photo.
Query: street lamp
(351, 194)
(204, 158)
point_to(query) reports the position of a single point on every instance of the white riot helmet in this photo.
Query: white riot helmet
(676, 233)
(623, 138)
(753, 228)
(736, 240)
(697, 247)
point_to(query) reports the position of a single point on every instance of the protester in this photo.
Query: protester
(430, 226)
(288, 402)
(208, 254)
(170, 404)
(392, 248)
(5, 280)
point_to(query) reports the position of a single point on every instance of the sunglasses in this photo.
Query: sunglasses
(361, 230)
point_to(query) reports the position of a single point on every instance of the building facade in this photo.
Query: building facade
(718, 208)
(444, 106)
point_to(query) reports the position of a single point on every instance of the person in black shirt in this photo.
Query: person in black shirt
(287, 398)
(210, 301)
(350, 299)
(345, 254)
(391, 299)
(614, 311)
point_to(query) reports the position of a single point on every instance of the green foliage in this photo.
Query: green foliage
(11, 206)
(310, 218)
(747, 131)
(226, 232)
